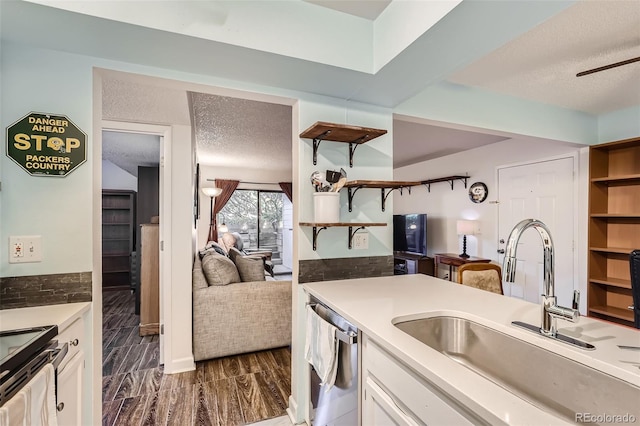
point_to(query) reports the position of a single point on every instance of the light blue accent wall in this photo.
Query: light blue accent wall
(479, 108)
(617, 125)
(58, 209)
(372, 161)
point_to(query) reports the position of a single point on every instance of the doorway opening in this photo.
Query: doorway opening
(130, 255)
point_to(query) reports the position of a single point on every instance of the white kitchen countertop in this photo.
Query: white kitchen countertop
(61, 315)
(372, 304)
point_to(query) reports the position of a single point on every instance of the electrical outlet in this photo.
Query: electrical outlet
(361, 241)
(25, 249)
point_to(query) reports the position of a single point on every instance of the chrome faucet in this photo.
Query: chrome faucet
(550, 310)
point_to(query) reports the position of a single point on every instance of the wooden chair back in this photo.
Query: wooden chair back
(475, 275)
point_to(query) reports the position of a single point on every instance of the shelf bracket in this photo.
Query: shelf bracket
(352, 148)
(352, 233)
(350, 195)
(316, 144)
(450, 179)
(316, 231)
(384, 196)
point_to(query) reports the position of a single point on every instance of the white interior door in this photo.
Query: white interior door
(545, 191)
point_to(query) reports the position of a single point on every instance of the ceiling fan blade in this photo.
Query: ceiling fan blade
(607, 67)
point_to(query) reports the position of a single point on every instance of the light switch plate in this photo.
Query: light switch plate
(25, 249)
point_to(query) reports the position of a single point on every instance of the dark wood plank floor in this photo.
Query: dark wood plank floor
(228, 391)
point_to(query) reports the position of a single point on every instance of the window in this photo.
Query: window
(257, 216)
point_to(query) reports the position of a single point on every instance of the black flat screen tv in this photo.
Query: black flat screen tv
(410, 233)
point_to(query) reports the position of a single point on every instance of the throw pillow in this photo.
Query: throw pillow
(219, 270)
(250, 268)
(235, 253)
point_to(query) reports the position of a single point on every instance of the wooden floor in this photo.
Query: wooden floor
(227, 391)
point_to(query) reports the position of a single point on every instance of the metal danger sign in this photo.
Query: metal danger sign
(46, 144)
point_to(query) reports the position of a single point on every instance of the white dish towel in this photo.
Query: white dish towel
(35, 404)
(321, 348)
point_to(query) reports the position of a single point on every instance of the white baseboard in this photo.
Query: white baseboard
(292, 412)
(180, 365)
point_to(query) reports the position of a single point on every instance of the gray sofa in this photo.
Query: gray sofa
(239, 317)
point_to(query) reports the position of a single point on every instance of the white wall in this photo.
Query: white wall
(444, 206)
(113, 177)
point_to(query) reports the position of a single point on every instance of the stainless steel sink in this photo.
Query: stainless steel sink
(551, 382)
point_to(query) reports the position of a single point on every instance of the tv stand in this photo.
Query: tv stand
(411, 263)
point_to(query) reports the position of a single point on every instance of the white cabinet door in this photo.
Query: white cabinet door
(379, 409)
(69, 403)
(421, 401)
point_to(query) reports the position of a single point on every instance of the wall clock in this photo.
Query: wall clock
(478, 192)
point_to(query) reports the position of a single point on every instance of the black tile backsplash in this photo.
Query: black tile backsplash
(40, 290)
(344, 268)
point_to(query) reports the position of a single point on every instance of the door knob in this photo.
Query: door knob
(501, 251)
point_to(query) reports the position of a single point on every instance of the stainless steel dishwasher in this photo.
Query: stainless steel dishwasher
(338, 406)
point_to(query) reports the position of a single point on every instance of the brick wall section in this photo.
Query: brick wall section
(40, 290)
(344, 268)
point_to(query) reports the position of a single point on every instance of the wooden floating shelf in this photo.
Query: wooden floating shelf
(319, 226)
(354, 185)
(450, 179)
(353, 135)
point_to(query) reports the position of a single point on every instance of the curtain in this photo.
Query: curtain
(287, 188)
(227, 186)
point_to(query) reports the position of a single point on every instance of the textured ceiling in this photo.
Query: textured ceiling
(234, 132)
(130, 150)
(542, 64)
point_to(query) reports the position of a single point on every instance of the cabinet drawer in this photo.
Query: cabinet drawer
(74, 336)
(426, 403)
(380, 409)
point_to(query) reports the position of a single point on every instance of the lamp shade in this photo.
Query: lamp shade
(211, 191)
(466, 227)
(223, 228)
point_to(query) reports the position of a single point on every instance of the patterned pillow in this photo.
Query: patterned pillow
(219, 270)
(250, 268)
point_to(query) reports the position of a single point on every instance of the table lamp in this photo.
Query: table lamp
(464, 228)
